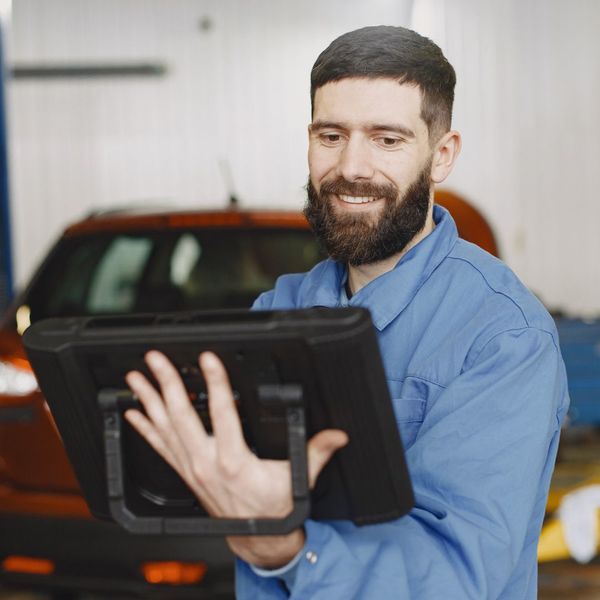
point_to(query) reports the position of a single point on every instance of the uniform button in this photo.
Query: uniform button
(312, 557)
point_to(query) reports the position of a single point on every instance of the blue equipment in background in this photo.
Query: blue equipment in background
(580, 347)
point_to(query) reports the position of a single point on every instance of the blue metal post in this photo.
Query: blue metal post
(6, 271)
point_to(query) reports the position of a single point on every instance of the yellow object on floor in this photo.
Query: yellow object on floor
(552, 545)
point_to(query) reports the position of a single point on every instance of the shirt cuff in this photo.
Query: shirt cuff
(287, 573)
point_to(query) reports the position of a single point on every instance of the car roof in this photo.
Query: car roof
(148, 219)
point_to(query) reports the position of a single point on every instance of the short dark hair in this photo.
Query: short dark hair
(392, 52)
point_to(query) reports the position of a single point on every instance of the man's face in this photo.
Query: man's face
(370, 164)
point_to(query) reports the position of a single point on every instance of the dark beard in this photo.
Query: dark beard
(352, 238)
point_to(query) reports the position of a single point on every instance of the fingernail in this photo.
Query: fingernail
(209, 360)
(152, 357)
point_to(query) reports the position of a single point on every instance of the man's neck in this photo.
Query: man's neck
(361, 275)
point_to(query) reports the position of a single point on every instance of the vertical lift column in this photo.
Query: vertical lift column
(6, 273)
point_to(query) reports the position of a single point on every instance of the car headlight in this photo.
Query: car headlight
(16, 380)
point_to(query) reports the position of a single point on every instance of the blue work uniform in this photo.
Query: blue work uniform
(479, 391)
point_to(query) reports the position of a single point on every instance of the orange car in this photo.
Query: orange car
(107, 264)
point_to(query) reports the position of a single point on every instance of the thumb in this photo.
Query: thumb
(320, 450)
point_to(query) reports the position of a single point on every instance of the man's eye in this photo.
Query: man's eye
(389, 142)
(331, 138)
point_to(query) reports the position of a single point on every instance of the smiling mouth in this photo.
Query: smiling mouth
(357, 199)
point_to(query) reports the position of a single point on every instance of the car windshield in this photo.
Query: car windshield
(124, 273)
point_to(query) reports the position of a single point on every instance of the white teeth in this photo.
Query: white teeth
(356, 199)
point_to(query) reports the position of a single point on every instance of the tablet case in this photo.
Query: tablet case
(293, 373)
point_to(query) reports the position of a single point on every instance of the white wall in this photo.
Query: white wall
(526, 104)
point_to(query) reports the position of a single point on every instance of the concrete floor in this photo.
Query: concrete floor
(568, 580)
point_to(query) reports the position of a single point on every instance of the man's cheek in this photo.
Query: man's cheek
(321, 166)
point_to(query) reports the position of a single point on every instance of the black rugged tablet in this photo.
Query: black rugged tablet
(293, 374)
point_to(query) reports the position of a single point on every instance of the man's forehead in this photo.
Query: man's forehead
(375, 100)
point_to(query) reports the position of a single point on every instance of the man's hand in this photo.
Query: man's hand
(228, 479)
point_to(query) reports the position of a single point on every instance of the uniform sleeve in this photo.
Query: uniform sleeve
(264, 301)
(480, 465)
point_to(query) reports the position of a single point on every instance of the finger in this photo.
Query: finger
(157, 417)
(145, 428)
(171, 386)
(321, 448)
(149, 397)
(226, 424)
(181, 413)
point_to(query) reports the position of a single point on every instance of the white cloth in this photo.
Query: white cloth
(578, 513)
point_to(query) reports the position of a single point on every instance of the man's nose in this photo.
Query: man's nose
(355, 161)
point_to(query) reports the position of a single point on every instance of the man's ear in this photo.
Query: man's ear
(446, 151)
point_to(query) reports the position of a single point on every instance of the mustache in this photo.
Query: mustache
(360, 188)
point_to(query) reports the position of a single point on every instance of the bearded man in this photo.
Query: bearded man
(471, 357)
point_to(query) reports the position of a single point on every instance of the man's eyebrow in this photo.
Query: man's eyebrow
(318, 125)
(400, 129)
